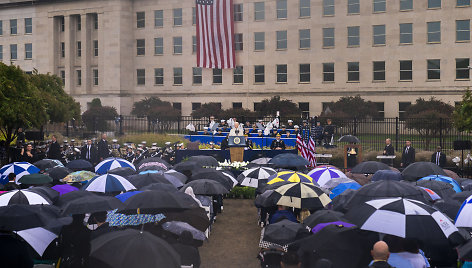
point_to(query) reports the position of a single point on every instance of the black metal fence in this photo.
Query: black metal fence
(424, 134)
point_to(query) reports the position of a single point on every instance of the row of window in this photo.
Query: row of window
(78, 21)
(78, 77)
(304, 73)
(328, 9)
(14, 52)
(28, 26)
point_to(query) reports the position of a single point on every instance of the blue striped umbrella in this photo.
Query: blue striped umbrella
(442, 178)
(324, 174)
(19, 168)
(343, 187)
(112, 163)
(109, 183)
(124, 196)
(118, 219)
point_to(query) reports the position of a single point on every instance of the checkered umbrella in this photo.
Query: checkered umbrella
(255, 176)
(325, 174)
(19, 168)
(112, 163)
(290, 176)
(301, 195)
(24, 197)
(109, 183)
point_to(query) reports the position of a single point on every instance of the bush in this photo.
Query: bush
(160, 139)
(243, 192)
(96, 117)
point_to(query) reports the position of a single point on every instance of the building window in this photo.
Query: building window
(177, 76)
(462, 3)
(95, 48)
(238, 12)
(217, 76)
(406, 5)
(328, 7)
(140, 47)
(238, 42)
(158, 76)
(305, 108)
(79, 77)
(237, 105)
(304, 38)
(434, 32)
(158, 18)
(328, 37)
(434, 3)
(259, 11)
(95, 77)
(158, 46)
(141, 77)
(28, 51)
(238, 77)
(304, 73)
(140, 19)
(194, 44)
(402, 108)
(328, 72)
(196, 75)
(1, 27)
(434, 69)
(406, 33)
(259, 41)
(378, 35)
(462, 30)
(281, 39)
(259, 74)
(177, 106)
(281, 73)
(353, 7)
(379, 70)
(305, 8)
(257, 106)
(194, 15)
(196, 106)
(462, 69)
(380, 5)
(1, 52)
(281, 6)
(63, 50)
(406, 70)
(79, 23)
(63, 77)
(177, 16)
(79, 49)
(353, 36)
(353, 74)
(13, 26)
(95, 22)
(380, 111)
(28, 25)
(177, 45)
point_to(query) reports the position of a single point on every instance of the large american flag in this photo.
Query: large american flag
(215, 34)
(307, 151)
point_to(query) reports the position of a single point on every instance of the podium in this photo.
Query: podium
(236, 148)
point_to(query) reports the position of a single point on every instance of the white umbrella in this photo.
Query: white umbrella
(38, 238)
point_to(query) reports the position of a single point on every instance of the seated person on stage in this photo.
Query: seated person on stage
(224, 143)
(274, 133)
(246, 132)
(223, 125)
(247, 124)
(254, 129)
(205, 131)
(297, 130)
(237, 130)
(286, 134)
(219, 133)
(260, 134)
(248, 142)
(277, 144)
(283, 130)
(290, 124)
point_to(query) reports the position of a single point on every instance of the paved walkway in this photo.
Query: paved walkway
(234, 238)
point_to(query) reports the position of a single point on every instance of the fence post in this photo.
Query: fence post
(121, 124)
(440, 131)
(396, 133)
(67, 128)
(178, 124)
(355, 126)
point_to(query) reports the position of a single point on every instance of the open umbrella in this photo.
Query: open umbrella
(340, 201)
(141, 180)
(79, 176)
(38, 238)
(187, 167)
(45, 191)
(23, 197)
(206, 187)
(443, 189)
(197, 217)
(109, 183)
(301, 195)
(324, 174)
(154, 162)
(79, 164)
(175, 174)
(124, 196)
(349, 139)
(58, 173)
(112, 163)
(151, 202)
(132, 248)
(177, 227)
(284, 232)
(369, 167)
(343, 187)
(19, 217)
(91, 204)
(462, 196)
(47, 163)
(457, 188)
(291, 176)
(323, 216)
(160, 187)
(385, 175)
(255, 176)
(204, 160)
(66, 198)
(211, 174)
(448, 207)
(464, 216)
(19, 168)
(260, 162)
(331, 184)
(64, 188)
(419, 170)
(288, 160)
(35, 179)
(122, 171)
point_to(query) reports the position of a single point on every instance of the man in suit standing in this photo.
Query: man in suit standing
(103, 151)
(408, 155)
(388, 151)
(89, 152)
(54, 149)
(439, 158)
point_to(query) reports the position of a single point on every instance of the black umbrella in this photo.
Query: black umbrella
(160, 187)
(284, 232)
(80, 164)
(35, 179)
(462, 196)
(339, 202)
(46, 163)
(443, 189)
(215, 175)
(58, 173)
(266, 199)
(204, 160)
(21, 217)
(46, 191)
(323, 216)
(187, 167)
(465, 251)
(420, 170)
(383, 189)
(132, 248)
(141, 180)
(369, 167)
(349, 139)
(91, 204)
(122, 171)
(386, 175)
(175, 174)
(66, 198)
(206, 187)
(260, 162)
(288, 160)
(449, 207)
(158, 201)
(154, 162)
(197, 217)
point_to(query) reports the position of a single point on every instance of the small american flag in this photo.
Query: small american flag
(307, 151)
(215, 34)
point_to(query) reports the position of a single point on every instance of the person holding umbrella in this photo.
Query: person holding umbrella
(14, 252)
(282, 213)
(380, 255)
(74, 244)
(189, 254)
(408, 155)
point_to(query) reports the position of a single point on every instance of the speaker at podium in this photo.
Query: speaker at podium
(236, 148)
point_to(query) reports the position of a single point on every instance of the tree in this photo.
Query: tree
(95, 118)
(429, 118)
(350, 107)
(207, 110)
(239, 113)
(21, 103)
(463, 113)
(155, 109)
(269, 107)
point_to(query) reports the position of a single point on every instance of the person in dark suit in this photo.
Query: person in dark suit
(352, 156)
(27, 154)
(189, 254)
(224, 143)
(439, 158)
(103, 151)
(380, 254)
(74, 243)
(408, 155)
(89, 152)
(99, 218)
(388, 150)
(277, 144)
(54, 149)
